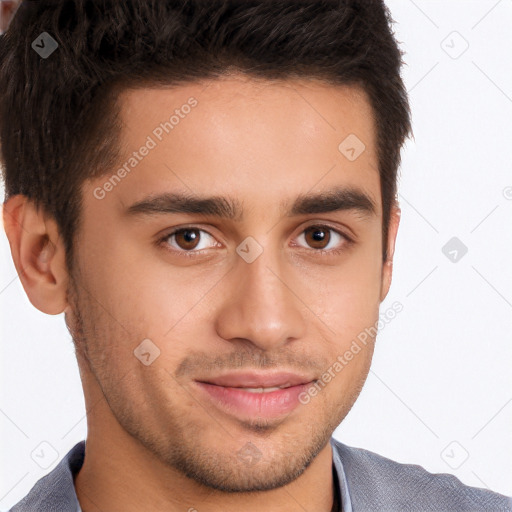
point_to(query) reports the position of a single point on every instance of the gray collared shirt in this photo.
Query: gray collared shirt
(365, 481)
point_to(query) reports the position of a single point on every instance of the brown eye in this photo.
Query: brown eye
(188, 239)
(317, 236)
(320, 237)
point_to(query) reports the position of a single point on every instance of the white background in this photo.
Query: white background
(440, 390)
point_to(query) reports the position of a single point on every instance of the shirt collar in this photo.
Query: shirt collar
(346, 503)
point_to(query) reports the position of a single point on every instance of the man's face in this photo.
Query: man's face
(214, 302)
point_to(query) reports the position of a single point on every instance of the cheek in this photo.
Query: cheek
(352, 306)
(346, 298)
(144, 298)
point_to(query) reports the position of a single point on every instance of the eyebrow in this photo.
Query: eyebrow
(336, 199)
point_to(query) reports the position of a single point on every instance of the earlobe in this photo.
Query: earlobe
(38, 254)
(387, 267)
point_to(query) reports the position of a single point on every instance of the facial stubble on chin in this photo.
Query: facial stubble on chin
(182, 450)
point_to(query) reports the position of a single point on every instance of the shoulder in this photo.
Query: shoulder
(56, 490)
(378, 483)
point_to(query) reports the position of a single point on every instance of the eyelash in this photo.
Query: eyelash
(348, 241)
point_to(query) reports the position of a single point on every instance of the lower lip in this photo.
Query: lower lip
(263, 405)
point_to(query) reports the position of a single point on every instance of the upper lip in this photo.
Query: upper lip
(258, 380)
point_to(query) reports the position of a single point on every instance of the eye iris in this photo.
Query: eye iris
(190, 237)
(320, 236)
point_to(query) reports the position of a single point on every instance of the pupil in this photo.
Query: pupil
(319, 235)
(190, 235)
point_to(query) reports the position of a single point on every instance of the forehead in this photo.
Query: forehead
(244, 133)
(238, 100)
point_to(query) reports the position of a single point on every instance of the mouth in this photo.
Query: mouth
(259, 390)
(251, 395)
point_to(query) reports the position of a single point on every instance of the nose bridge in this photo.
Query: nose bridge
(263, 283)
(261, 306)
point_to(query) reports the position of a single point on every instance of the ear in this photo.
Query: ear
(38, 254)
(387, 267)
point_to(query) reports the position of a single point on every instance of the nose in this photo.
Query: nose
(261, 305)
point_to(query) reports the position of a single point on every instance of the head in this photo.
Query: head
(290, 115)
